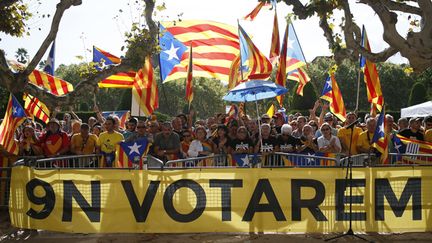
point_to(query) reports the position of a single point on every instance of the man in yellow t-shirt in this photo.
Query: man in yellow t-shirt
(344, 134)
(84, 142)
(365, 138)
(428, 128)
(108, 141)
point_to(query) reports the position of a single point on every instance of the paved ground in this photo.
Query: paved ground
(11, 234)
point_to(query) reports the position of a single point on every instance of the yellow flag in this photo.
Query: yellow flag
(271, 111)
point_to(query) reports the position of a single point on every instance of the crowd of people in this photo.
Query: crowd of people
(219, 134)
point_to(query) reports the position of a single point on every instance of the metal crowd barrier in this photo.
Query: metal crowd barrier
(5, 177)
(409, 159)
(212, 161)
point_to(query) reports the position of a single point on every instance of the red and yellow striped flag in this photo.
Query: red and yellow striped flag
(275, 42)
(145, 88)
(251, 16)
(189, 79)
(53, 84)
(119, 80)
(234, 74)
(215, 45)
(371, 78)
(333, 95)
(36, 108)
(281, 71)
(14, 117)
(301, 77)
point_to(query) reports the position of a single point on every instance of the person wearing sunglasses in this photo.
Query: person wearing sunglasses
(327, 142)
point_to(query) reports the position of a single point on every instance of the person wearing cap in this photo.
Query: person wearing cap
(287, 143)
(413, 132)
(54, 141)
(279, 122)
(428, 128)
(265, 118)
(344, 134)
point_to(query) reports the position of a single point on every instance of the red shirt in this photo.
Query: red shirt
(51, 144)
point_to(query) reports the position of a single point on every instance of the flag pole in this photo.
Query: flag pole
(241, 64)
(160, 69)
(358, 90)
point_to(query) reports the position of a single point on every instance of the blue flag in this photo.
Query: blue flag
(135, 149)
(327, 86)
(171, 52)
(49, 67)
(17, 110)
(244, 160)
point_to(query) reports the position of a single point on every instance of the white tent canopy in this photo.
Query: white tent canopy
(420, 110)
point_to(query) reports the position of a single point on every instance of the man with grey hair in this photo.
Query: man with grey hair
(287, 143)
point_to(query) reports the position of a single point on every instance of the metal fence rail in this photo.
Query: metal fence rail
(212, 161)
(409, 159)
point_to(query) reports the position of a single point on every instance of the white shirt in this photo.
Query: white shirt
(322, 142)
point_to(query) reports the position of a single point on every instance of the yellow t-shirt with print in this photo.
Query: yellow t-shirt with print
(108, 141)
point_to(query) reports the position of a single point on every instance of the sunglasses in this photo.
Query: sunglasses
(325, 129)
(140, 127)
(186, 135)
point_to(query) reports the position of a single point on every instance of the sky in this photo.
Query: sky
(95, 23)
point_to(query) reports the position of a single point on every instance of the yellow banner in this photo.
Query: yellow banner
(221, 200)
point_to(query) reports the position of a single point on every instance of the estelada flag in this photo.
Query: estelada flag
(14, 117)
(145, 89)
(130, 154)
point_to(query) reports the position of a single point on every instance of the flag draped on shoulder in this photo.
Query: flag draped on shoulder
(36, 108)
(275, 42)
(371, 78)
(130, 154)
(380, 140)
(215, 45)
(333, 95)
(251, 16)
(281, 70)
(189, 79)
(49, 66)
(14, 117)
(122, 115)
(254, 64)
(145, 89)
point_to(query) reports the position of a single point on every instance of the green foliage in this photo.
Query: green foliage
(306, 101)
(126, 100)
(395, 83)
(418, 94)
(13, 17)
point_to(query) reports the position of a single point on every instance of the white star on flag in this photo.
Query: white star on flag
(291, 43)
(309, 160)
(14, 110)
(245, 161)
(134, 148)
(172, 52)
(329, 82)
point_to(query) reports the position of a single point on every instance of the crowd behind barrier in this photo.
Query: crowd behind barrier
(223, 140)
